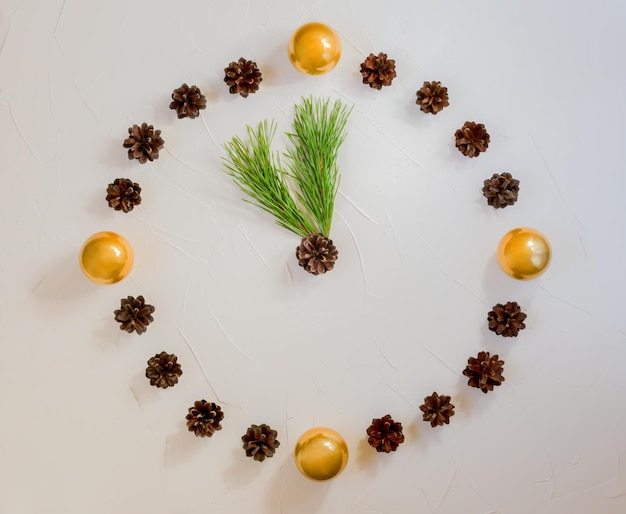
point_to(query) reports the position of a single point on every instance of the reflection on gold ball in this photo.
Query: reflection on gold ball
(106, 258)
(321, 453)
(524, 253)
(314, 49)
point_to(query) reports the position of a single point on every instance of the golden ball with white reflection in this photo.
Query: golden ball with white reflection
(321, 453)
(524, 253)
(106, 258)
(314, 49)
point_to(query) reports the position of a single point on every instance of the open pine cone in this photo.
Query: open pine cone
(432, 97)
(506, 320)
(123, 194)
(385, 435)
(143, 143)
(484, 371)
(472, 139)
(378, 71)
(437, 409)
(317, 254)
(501, 190)
(134, 315)
(242, 77)
(163, 370)
(260, 441)
(188, 101)
(204, 418)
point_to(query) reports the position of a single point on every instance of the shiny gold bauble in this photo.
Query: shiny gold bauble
(321, 453)
(106, 258)
(314, 49)
(524, 253)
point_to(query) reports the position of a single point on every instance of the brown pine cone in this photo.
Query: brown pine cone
(163, 370)
(123, 194)
(134, 315)
(143, 143)
(432, 97)
(317, 254)
(378, 71)
(188, 101)
(204, 418)
(506, 320)
(260, 441)
(472, 138)
(242, 77)
(385, 435)
(501, 190)
(484, 371)
(437, 409)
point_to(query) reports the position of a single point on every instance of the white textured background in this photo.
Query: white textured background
(82, 431)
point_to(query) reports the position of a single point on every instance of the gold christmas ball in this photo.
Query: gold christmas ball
(106, 258)
(524, 253)
(321, 453)
(314, 49)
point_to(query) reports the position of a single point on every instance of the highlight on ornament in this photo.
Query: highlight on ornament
(321, 453)
(524, 253)
(106, 258)
(314, 49)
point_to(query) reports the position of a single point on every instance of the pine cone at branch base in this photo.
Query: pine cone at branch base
(432, 97)
(188, 101)
(204, 418)
(501, 190)
(378, 71)
(484, 371)
(163, 370)
(472, 139)
(506, 320)
(143, 143)
(242, 77)
(437, 409)
(317, 254)
(134, 314)
(123, 194)
(260, 442)
(385, 435)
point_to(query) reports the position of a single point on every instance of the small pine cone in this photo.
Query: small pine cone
(260, 442)
(188, 101)
(385, 434)
(242, 77)
(378, 71)
(204, 418)
(484, 371)
(143, 143)
(163, 370)
(432, 97)
(317, 254)
(472, 138)
(501, 190)
(437, 409)
(506, 320)
(134, 315)
(123, 194)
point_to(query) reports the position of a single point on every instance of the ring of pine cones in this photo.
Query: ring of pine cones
(204, 418)
(378, 71)
(472, 139)
(317, 254)
(243, 77)
(506, 320)
(143, 143)
(163, 370)
(134, 314)
(385, 434)
(260, 442)
(484, 371)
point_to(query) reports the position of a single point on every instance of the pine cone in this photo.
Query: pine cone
(484, 371)
(501, 190)
(204, 418)
(163, 370)
(260, 442)
(432, 97)
(317, 254)
(506, 320)
(143, 143)
(472, 138)
(378, 71)
(385, 434)
(437, 409)
(134, 315)
(123, 194)
(242, 77)
(188, 101)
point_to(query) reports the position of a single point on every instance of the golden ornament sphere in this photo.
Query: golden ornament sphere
(314, 49)
(524, 253)
(106, 258)
(321, 453)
